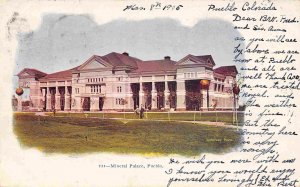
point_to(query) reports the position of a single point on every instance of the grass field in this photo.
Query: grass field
(85, 135)
(199, 116)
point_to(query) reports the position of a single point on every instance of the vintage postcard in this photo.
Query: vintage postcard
(149, 93)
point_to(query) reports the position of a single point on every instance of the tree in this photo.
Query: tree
(196, 100)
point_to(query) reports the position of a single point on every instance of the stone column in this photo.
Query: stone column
(130, 97)
(67, 99)
(19, 98)
(57, 99)
(76, 104)
(42, 105)
(48, 100)
(154, 97)
(208, 103)
(141, 95)
(180, 93)
(39, 104)
(94, 104)
(166, 94)
(204, 100)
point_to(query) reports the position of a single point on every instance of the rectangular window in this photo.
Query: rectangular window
(119, 89)
(119, 101)
(215, 87)
(95, 88)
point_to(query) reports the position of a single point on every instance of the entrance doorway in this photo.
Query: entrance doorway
(62, 102)
(86, 104)
(160, 88)
(135, 101)
(193, 95)
(135, 87)
(101, 103)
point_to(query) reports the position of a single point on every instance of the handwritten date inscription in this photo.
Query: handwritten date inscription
(153, 7)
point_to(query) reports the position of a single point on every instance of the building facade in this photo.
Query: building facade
(120, 82)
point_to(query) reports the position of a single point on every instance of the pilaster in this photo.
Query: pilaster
(48, 100)
(166, 94)
(180, 92)
(141, 95)
(67, 99)
(94, 104)
(57, 99)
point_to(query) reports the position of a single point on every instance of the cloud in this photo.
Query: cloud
(65, 41)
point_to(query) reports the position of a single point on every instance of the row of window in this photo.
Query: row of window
(219, 87)
(194, 75)
(190, 75)
(119, 89)
(96, 79)
(102, 79)
(120, 101)
(95, 88)
(220, 80)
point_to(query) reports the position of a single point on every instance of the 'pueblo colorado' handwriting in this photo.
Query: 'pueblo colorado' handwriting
(246, 7)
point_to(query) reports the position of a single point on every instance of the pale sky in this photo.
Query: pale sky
(65, 41)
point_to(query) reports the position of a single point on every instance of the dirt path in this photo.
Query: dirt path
(183, 121)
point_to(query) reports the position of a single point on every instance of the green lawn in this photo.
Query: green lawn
(82, 135)
(199, 116)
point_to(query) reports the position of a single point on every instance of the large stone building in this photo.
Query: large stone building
(121, 82)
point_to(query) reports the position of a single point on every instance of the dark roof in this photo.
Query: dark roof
(226, 70)
(155, 66)
(33, 72)
(117, 60)
(202, 58)
(67, 74)
(114, 60)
